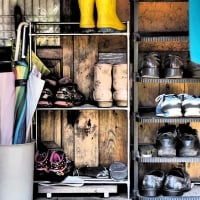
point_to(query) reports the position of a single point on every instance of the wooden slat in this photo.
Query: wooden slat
(86, 139)
(112, 137)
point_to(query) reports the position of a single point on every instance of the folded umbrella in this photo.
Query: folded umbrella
(21, 71)
(34, 89)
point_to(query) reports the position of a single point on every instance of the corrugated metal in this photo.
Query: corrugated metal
(33, 10)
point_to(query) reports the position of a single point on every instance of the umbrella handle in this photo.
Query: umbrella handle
(18, 39)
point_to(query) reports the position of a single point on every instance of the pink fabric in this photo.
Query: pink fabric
(7, 107)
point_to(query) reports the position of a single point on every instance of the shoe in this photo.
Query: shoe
(169, 105)
(166, 141)
(41, 165)
(107, 18)
(176, 182)
(57, 162)
(190, 104)
(149, 65)
(152, 183)
(147, 151)
(68, 95)
(48, 92)
(42, 161)
(87, 23)
(187, 141)
(173, 65)
(194, 70)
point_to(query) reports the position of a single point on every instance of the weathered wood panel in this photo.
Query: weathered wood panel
(113, 137)
(86, 133)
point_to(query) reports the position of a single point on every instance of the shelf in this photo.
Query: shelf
(167, 80)
(167, 159)
(161, 0)
(160, 36)
(84, 107)
(193, 194)
(150, 117)
(61, 32)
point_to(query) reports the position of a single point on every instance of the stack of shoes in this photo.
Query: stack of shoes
(60, 93)
(172, 105)
(52, 166)
(149, 65)
(173, 183)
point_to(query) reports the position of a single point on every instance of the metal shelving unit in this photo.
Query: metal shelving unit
(147, 114)
(93, 185)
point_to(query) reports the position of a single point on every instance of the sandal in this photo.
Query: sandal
(68, 96)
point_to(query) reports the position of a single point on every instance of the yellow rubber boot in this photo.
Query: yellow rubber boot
(107, 17)
(86, 8)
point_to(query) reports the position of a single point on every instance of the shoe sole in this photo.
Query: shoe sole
(150, 192)
(167, 152)
(172, 112)
(192, 112)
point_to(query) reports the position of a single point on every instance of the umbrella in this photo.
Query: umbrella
(21, 71)
(34, 88)
(7, 96)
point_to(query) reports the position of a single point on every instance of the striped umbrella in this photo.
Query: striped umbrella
(21, 71)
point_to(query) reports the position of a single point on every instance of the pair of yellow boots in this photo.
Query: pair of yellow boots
(106, 15)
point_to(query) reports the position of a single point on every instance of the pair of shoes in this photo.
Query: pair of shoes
(53, 166)
(60, 93)
(151, 66)
(68, 94)
(182, 141)
(173, 183)
(172, 105)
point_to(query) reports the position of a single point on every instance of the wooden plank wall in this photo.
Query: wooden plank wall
(154, 16)
(88, 137)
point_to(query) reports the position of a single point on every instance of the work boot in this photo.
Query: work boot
(107, 19)
(102, 85)
(120, 84)
(87, 23)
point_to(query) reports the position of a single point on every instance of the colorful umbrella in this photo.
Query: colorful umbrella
(21, 71)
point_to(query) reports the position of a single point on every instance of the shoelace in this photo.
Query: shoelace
(161, 97)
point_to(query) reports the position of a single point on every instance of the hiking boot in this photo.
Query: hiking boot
(187, 141)
(169, 105)
(152, 183)
(176, 182)
(173, 66)
(166, 141)
(149, 65)
(190, 105)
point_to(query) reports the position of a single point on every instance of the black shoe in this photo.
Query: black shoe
(166, 141)
(176, 182)
(187, 141)
(149, 65)
(152, 183)
(173, 66)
